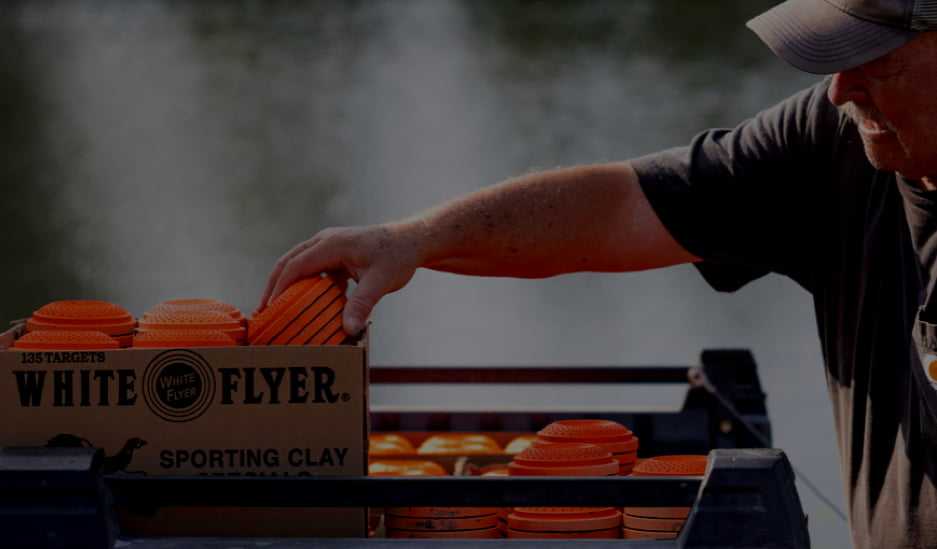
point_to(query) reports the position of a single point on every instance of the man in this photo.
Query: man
(833, 187)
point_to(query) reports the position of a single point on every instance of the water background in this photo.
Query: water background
(158, 150)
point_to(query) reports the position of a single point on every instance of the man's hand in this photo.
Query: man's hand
(380, 258)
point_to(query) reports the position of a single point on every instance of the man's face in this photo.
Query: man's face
(893, 101)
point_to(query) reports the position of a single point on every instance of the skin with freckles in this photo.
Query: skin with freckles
(893, 101)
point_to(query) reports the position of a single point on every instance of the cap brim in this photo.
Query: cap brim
(816, 37)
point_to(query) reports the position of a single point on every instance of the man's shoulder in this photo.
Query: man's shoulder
(804, 125)
(809, 109)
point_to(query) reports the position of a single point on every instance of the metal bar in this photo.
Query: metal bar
(537, 374)
(400, 543)
(401, 491)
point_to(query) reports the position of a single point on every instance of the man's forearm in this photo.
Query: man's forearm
(587, 218)
(590, 218)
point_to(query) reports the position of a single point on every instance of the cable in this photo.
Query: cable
(698, 378)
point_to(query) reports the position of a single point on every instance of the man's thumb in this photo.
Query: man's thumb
(357, 310)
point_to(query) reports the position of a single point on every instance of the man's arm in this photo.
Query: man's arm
(587, 218)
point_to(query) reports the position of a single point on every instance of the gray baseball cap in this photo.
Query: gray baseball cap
(829, 36)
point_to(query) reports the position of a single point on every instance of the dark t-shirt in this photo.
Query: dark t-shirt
(790, 191)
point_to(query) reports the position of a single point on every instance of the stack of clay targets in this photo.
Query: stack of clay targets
(82, 316)
(181, 338)
(564, 523)
(199, 304)
(308, 312)
(173, 325)
(612, 436)
(191, 323)
(389, 444)
(661, 522)
(432, 522)
(442, 522)
(459, 444)
(50, 340)
(564, 459)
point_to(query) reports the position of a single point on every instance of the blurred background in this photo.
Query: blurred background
(160, 150)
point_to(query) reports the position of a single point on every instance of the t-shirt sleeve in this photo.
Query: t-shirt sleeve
(747, 200)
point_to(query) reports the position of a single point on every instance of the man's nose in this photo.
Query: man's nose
(847, 86)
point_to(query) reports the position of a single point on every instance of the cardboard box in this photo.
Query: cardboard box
(284, 411)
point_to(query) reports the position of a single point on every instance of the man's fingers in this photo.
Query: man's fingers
(278, 268)
(301, 262)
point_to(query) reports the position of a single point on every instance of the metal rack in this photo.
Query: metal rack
(724, 407)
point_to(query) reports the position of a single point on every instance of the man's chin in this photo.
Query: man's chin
(884, 157)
